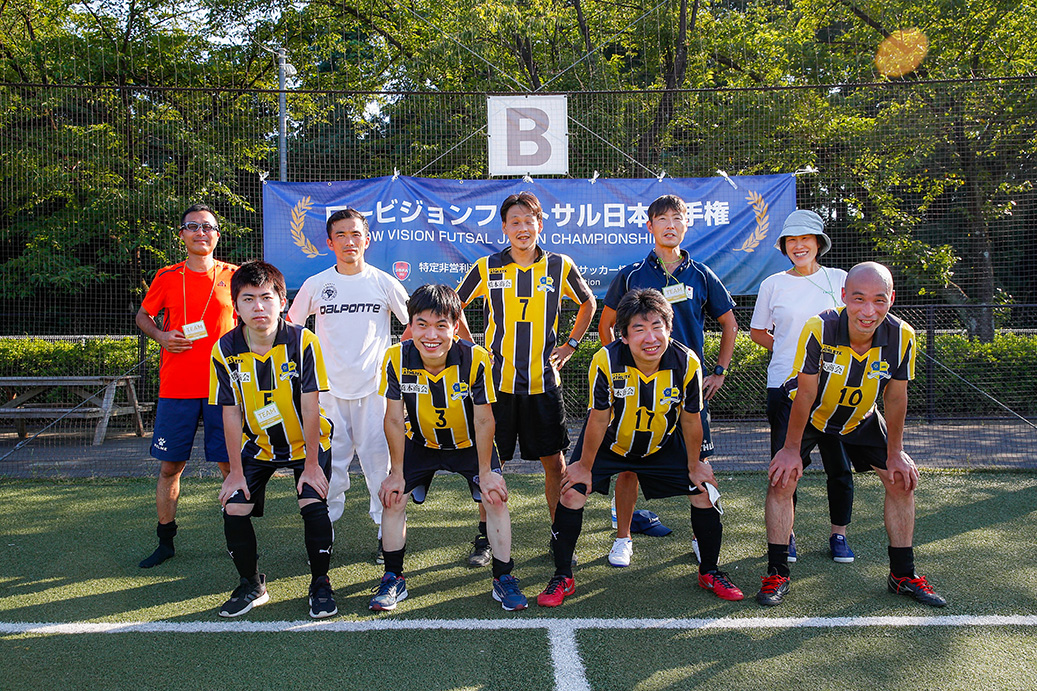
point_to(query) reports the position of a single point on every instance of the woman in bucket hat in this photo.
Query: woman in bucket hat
(784, 303)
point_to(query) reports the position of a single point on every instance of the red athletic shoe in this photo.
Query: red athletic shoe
(720, 583)
(556, 591)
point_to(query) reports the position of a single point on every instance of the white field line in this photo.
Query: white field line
(569, 671)
(560, 625)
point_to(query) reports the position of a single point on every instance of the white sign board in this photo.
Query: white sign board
(528, 134)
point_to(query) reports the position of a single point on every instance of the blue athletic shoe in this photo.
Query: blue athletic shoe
(792, 549)
(841, 551)
(506, 592)
(390, 590)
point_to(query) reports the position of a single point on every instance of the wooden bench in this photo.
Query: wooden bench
(97, 395)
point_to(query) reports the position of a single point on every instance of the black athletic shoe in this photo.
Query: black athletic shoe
(322, 599)
(246, 596)
(916, 587)
(481, 554)
(161, 553)
(774, 590)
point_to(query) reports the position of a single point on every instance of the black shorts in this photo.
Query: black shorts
(538, 420)
(420, 464)
(865, 447)
(661, 474)
(258, 473)
(833, 456)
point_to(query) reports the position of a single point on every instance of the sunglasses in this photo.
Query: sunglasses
(204, 227)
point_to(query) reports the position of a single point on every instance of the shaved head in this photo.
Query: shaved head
(870, 271)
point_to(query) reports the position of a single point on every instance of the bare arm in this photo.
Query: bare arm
(762, 337)
(174, 340)
(563, 352)
(233, 429)
(894, 398)
(391, 491)
(312, 474)
(699, 471)
(593, 434)
(605, 324)
(494, 490)
(729, 329)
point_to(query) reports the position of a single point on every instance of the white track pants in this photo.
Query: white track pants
(359, 429)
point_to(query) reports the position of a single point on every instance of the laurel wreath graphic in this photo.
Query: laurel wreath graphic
(762, 223)
(298, 220)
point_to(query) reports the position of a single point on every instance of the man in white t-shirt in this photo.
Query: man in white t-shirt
(352, 301)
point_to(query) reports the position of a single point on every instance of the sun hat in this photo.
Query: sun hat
(804, 222)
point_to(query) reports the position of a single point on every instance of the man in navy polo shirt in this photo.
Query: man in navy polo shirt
(693, 291)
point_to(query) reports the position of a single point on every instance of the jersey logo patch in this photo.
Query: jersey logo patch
(625, 392)
(879, 370)
(546, 284)
(834, 368)
(288, 370)
(243, 377)
(414, 388)
(499, 284)
(671, 394)
(458, 391)
(328, 292)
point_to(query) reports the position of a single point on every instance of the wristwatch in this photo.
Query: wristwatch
(573, 343)
(719, 370)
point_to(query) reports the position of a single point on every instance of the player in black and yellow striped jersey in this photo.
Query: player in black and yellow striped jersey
(523, 287)
(845, 360)
(267, 373)
(445, 388)
(645, 397)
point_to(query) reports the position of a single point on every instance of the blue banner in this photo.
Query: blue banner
(427, 230)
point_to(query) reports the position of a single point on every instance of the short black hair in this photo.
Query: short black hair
(257, 274)
(198, 207)
(667, 202)
(642, 302)
(348, 212)
(441, 300)
(526, 199)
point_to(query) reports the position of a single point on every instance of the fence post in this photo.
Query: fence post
(930, 363)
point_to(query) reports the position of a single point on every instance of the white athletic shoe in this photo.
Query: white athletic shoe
(695, 549)
(622, 550)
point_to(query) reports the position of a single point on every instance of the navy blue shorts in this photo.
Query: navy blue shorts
(258, 473)
(176, 422)
(421, 463)
(537, 420)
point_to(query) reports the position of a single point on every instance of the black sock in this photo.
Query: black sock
(165, 550)
(902, 561)
(241, 543)
(317, 527)
(564, 534)
(394, 561)
(166, 532)
(482, 528)
(778, 559)
(709, 531)
(502, 568)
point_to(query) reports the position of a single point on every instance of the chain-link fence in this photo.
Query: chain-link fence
(933, 178)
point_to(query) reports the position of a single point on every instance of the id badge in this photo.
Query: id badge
(268, 416)
(675, 293)
(195, 330)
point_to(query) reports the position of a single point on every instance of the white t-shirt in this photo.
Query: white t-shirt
(352, 324)
(784, 304)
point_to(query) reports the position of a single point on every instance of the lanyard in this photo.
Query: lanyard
(211, 291)
(830, 292)
(662, 265)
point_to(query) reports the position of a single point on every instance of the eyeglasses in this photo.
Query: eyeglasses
(204, 227)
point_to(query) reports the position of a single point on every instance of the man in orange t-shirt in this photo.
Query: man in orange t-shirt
(194, 296)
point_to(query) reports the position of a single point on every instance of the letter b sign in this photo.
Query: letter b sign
(528, 134)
